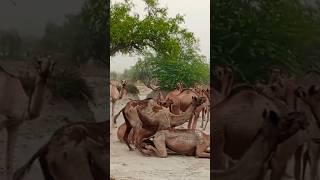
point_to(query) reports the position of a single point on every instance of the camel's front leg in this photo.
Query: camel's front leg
(114, 125)
(203, 115)
(160, 143)
(12, 132)
(195, 120)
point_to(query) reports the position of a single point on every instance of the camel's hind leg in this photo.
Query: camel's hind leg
(201, 150)
(11, 142)
(115, 118)
(203, 117)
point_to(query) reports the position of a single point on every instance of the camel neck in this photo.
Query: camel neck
(252, 165)
(37, 98)
(121, 92)
(177, 120)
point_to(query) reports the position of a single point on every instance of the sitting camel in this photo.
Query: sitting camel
(181, 141)
(76, 151)
(275, 130)
(115, 95)
(155, 119)
(16, 107)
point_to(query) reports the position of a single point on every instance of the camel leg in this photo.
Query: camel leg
(195, 120)
(203, 117)
(114, 125)
(126, 134)
(314, 161)
(306, 159)
(297, 163)
(11, 142)
(208, 117)
(115, 118)
(160, 143)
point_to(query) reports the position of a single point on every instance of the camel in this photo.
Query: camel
(181, 141)
(132, 120)
(76, 151)
(180, 103)
(274, 130)
(16, 107)
(224, 76)
(243, 105)
(156, 119)
(115, 95)
(287, 90)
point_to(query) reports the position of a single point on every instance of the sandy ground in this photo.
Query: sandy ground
(131, 165)
(34, 134)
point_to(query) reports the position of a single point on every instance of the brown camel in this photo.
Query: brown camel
(16, 107)
(181, 102)
(224, 76)
(286, 89)
(155, 119)
(181, 141)
(132, 119)
(76, 151)
(236, 121)
(274, 130)
(115, 95)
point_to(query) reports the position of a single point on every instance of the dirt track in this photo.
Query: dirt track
(131, 165)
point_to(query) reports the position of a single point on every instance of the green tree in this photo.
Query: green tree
(255, 35)
(131, 32)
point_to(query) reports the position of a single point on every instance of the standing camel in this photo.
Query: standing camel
(274, 130)
(115, 95)
(16, 107)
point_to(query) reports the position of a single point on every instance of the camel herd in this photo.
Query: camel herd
(237, 123)
(150, 123)
(257, 129)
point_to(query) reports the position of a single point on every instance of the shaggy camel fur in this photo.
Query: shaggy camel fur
(75, 152)
(115, 95)
(274, 131)
(17, 107)
(181, 141)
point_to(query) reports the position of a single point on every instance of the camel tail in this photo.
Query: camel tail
(21, 172)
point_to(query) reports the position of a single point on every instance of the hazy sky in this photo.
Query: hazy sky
(31, 16)
(197, 20)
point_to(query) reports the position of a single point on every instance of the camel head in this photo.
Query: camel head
(275, 75)
(45, 67)
(179, 86)
(124, 83)
(166, 103)
(311, 96)
(224, 72)
(197, 101)
(281, 128)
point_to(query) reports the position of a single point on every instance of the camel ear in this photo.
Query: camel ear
(273, 117)
(313, 90)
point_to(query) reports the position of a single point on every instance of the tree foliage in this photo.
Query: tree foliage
(255, 35)
(131, 32)
(10, 44)
(169, 52)
(82, 36)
